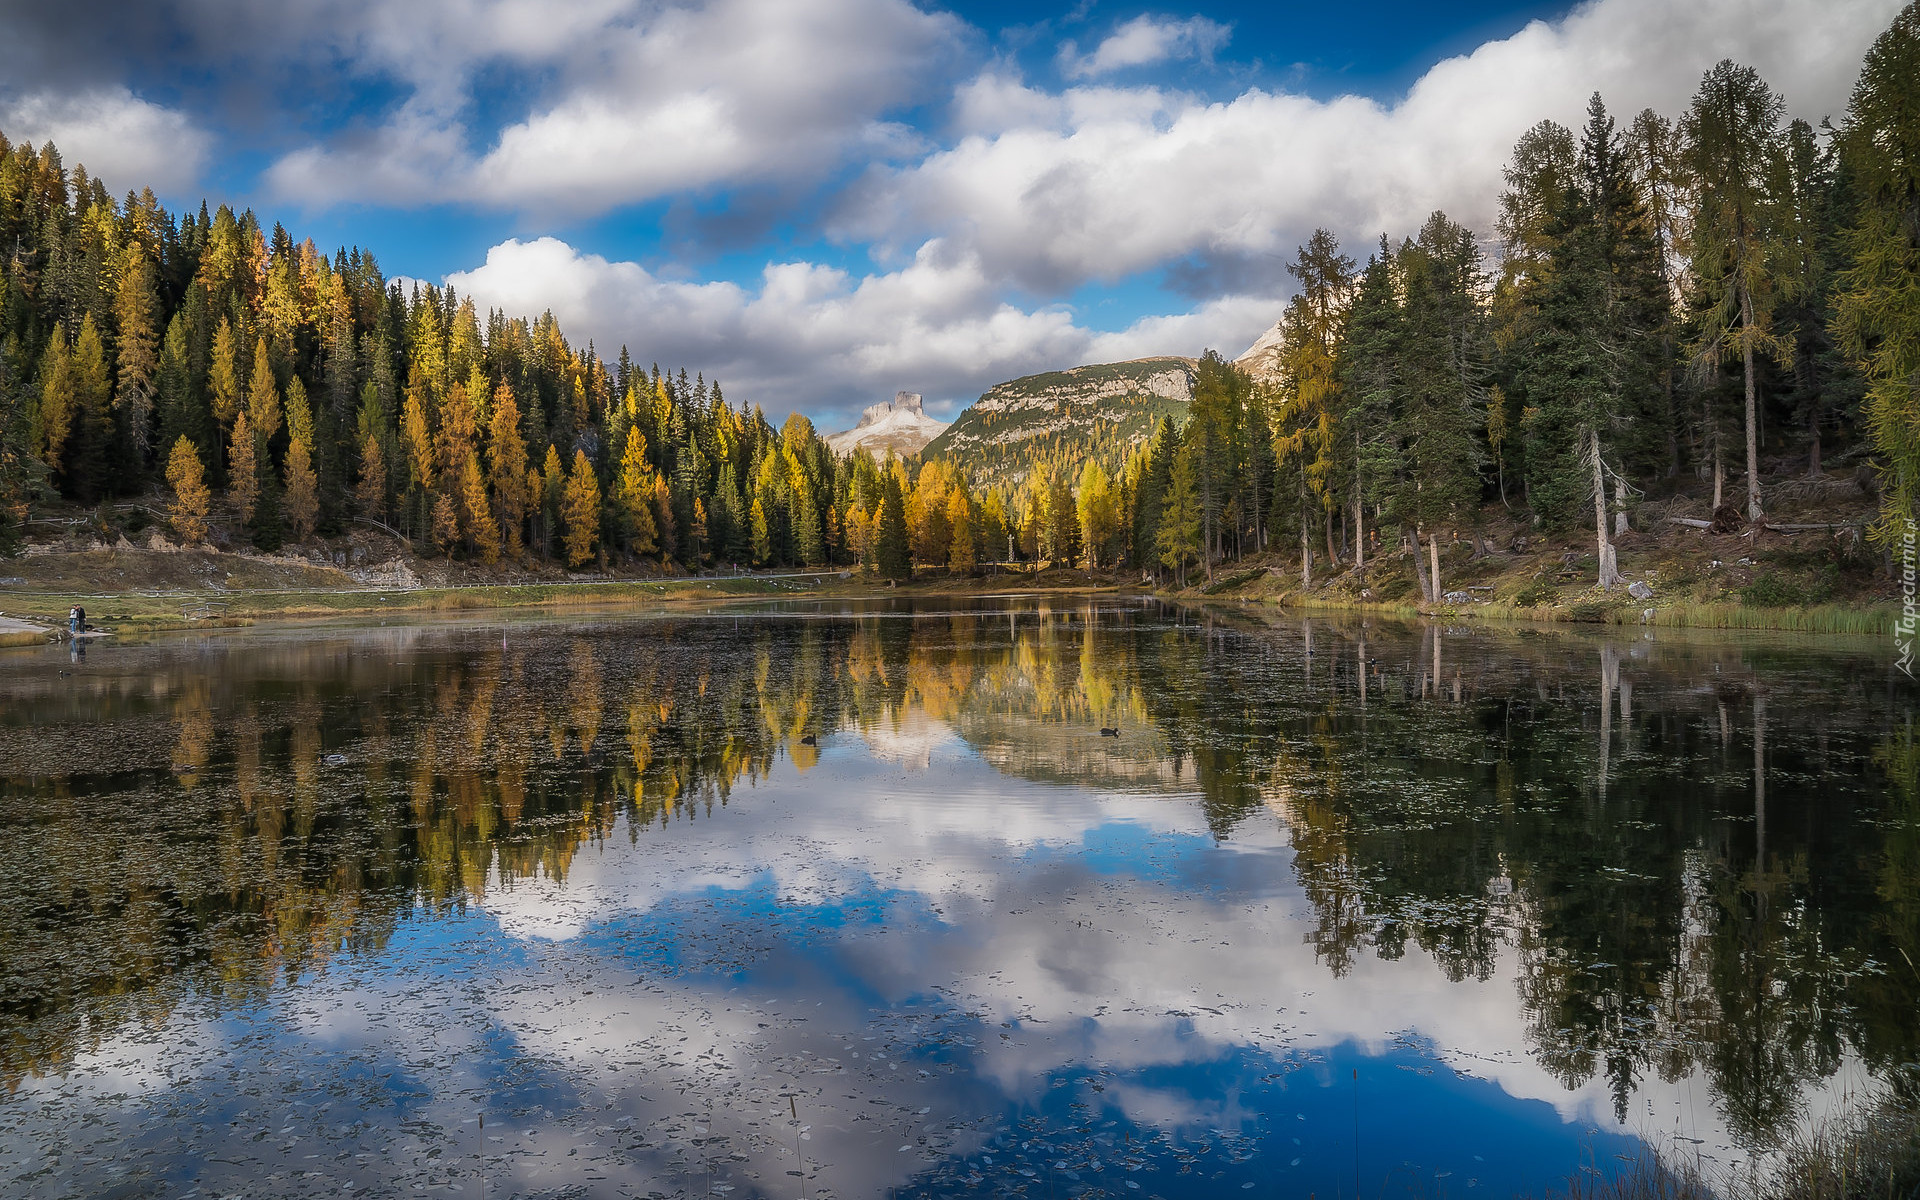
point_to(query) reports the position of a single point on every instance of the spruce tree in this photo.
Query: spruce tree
(891, 552)
(1177, 542)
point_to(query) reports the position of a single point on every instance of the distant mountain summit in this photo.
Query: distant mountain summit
(1102, 410)
(899, 425)
(1262, 359)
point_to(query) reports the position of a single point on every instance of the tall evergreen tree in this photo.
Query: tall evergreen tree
(1732, 132)
(1879, 303)
(892, 555)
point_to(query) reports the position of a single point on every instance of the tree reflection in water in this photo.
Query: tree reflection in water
(1704, 852)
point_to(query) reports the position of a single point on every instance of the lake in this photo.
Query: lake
(856, 900)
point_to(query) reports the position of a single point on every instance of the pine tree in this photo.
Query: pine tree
(1369, 367)
(1443, 385)
(1155, 477)
(1177, 541)
(1310, 407)
(1591, 343)
(809, 537)
(183, 409)
(892, 554)
(1732, 131)
(191, 497)
(582, 511)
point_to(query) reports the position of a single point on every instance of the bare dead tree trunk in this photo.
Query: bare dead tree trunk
(1608, 575)
(1359, 534)
(1753, 420)
(1420, 568)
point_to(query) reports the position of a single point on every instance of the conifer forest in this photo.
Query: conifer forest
(1718, 296)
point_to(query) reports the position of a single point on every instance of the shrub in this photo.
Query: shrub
(1537, 593)
(1771, 589)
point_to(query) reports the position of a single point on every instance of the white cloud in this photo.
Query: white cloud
(1143, 41)
(1048, 190)
(683, 99)
(120, 138)
(823, 341)
(1102, 183)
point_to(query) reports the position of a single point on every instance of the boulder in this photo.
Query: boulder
(1639, 590)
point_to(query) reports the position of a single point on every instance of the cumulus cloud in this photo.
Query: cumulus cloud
(824, 341)
(1100, 183)
(1046, 190)
(642, 105)
(120, 138)
(1144, 41)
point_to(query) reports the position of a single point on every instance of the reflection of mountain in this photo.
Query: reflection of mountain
(1583, 815)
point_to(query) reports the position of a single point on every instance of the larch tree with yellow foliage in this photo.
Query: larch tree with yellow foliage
(370, 494)
(191, 497)
(476, 515)
(303, 490)
(263, 397)
(634, 496)
(961, 556)
(243, 475)
(507, 467)
(582, 513)
(224, 387)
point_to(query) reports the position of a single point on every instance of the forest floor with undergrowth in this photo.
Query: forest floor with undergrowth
(1806, 566)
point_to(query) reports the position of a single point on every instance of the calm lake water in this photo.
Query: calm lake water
(580, 908)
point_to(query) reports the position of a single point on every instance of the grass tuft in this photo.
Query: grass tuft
(1865, 1152)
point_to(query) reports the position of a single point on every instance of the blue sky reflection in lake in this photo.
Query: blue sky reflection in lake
(962, 928)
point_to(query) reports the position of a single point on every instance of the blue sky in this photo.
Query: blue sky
(821, 201)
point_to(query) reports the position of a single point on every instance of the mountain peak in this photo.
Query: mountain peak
(899, 425)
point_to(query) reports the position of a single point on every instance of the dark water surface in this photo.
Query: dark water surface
(569, 908)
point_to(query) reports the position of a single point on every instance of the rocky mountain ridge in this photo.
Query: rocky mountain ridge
(900, 425)
(1101, 409)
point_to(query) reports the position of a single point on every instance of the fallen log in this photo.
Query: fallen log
(1826, 526)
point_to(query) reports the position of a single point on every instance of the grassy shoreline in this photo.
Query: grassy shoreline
(1877, 618)
(174, 601)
